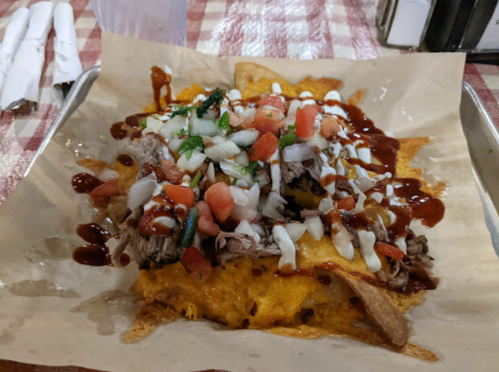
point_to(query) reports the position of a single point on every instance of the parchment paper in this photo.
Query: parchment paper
(410, 95)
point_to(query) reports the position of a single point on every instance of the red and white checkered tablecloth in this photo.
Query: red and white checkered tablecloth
(274, 28)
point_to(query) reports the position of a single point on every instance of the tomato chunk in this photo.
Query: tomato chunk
(220, 200)
(390, 251)
(305, 118)
(238, 120)
(329, 126)
(267, 120)
(206, 225)
(101, 194)
(179, 194)
(274, 101)
(263, 148)
(196, 264)
(347, 203)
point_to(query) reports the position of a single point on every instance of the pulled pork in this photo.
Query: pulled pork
(149, 149)
(230, 246)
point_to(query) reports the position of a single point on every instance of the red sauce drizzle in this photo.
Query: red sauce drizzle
(159, 79)
(152, 168)
(285, 274)
(124, 159)
(117, 132)
(85, 183)
(147, 225)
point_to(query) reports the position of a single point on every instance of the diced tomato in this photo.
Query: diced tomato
(220, 200)
(172, 173)
(305, 118)
(390, 251)
(196, 264)
(238, 120)
(101, 194)
(179, 194)
(347, 203)
(206, 225)
(274, 101)
(263, 148)
(329, 126)
(267, 120)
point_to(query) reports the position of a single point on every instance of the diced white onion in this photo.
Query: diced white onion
(239, 196)
(258, 229)
(202, 127)
(273, 206)
(367, 240)
(193, 164)
(222, 151)
(318, 141)
(261, 179)
(351, 151)
(243, 213)
(175, 144)
(108, 174)
(228, 169)
(245, 227)
(326, 205)
(199, 97)
(290, 121)
(245, 138)
(249, 112)
(235, 95)
(154, 124)
(253, 196)
(172, 127)
(141, 191)
(288, 250)
(298, 152)
(275, 172)
(315, 227)
(293, 107)
(210, 173)
(217, 140)
(242, 159)
(295, 230)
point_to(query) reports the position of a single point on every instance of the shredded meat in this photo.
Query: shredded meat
(314, 167)
(344, 185)
(291, 170)
(303, 175)
(148, 150)
(234, 245)
(379, 230)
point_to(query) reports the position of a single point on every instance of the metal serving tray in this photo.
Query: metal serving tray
(479, 129)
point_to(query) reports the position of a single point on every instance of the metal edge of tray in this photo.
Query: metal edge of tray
(483, 145)
(76, 96)
(472, 111)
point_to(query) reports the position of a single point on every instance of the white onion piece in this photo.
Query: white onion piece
(295, 230)
(315, 227)
(199, 97)
(319, 141)
(367, 240)
(108, 174)
(202, 127)
(217, 140)
(288, 250)
(258, 229)
(261, 179)
(298, 152)
(209, 114)
(154, 124)
(243, 213)
(241, 183)
(228, 169)
(175, 144)
(239, 196)
(326, 205)
(193, 164)
(273, 206)
(365, 183)
(290, 121)
(249, 112)
(210, 173)
(245, 138)
(242, 159)
(172, 127)
(253, 195)
(275, 171)
(293, 106)
(141, 191)
(222, 151)
(246, 228)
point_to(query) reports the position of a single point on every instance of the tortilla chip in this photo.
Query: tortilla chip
(253, 80)
(391, 322)
(147, 319)
(318, 87)
(356, 98)
(188, 94)
(409, 148)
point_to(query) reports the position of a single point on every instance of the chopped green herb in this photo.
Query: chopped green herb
(182, 111)
(195, 180)
(258, 207)
(291, 127)
(491, 151)
(286, 140)
(256, 181)
(234, 181)
(143, 123)
(284, 118)
(253, 167)
(181, 132)
(299, 108)
(215, 98)
(191, 144)
(224, 121)
(240, 169)
(190, 227)
(269, 115)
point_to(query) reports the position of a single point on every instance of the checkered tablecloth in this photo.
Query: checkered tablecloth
(274, 28)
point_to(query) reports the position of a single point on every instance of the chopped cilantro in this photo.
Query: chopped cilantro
(143, 123)
(299, 108)
(270, 115)
(240, 169)
(182, 111)
(224, 121)
(215, 98)
(286, 140)
(491, 151)
(195, 181)
(190, 144)
(181, 132)
(234, 181)
(253, 167)
(291, 127)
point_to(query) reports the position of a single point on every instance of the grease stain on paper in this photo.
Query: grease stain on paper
(41, 288)
(59, 248)
(101, 309)
(8, 336)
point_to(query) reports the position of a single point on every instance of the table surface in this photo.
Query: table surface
(303, 29)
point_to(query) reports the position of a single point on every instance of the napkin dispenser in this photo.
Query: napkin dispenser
(402, 23)
(464, 25)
